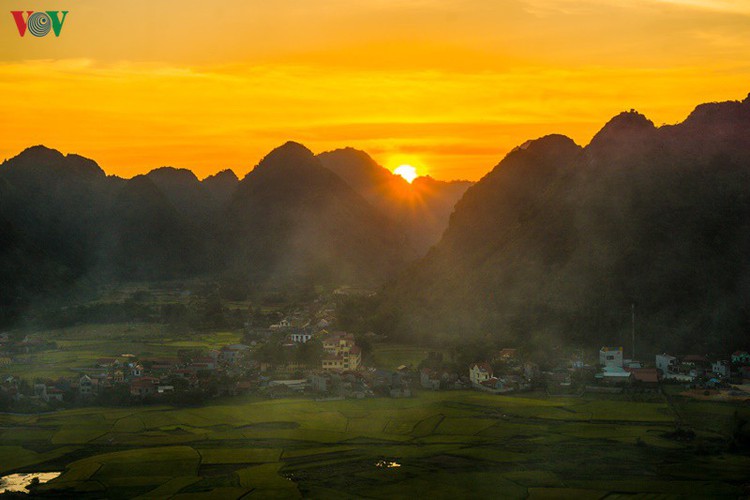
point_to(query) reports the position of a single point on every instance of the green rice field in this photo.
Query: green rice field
(436, 445)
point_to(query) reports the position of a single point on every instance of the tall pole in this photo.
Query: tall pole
(632, 309)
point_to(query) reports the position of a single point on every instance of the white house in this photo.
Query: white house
(301, 336)
(479, 372)
(610, 357)
(86, 386)
(722, 368)
(666, 363)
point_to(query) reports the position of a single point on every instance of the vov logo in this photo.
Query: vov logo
(39, 23)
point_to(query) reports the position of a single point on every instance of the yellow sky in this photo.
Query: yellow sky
(447, 86)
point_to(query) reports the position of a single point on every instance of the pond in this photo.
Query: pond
(387, 464)
(20, 482)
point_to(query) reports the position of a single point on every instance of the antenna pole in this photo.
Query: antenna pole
(632, 309)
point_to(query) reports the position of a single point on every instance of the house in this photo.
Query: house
(429, 379)
(402, 391)
(614, 375)
(40, 391)
(246, 386)
(560, 377)
(350, 360)
(144, 386)
(106, 362)
(323, 382)
(281, 325)
(531, 370)
(666, 363)
(342, 352)
(694, 360)
(740, 357)
(293, 385)
(338, 342)
(610, 357)
(721, 368)
(479, 372)
(86, 386)
(54, 394)
(507, 354)
(300, 336)
(233, 353)
(645, 376)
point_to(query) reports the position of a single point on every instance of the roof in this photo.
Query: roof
(667, 356)
(645, 375)
(144, 382)
(615, 371)
(509, 353)
(490, 382)
(484, 366)
(694, 357)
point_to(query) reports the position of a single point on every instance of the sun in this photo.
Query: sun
(408, 172)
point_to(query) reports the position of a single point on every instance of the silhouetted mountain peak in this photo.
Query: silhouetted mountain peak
(724, 113)
(352, 158)
(361, 172)
(551, 151)
(42, 157)
(626, 123)
(225, 176)
(627, 131)
(172, 174)
(142, 185)
(550, 144)
(221, 185)
(290, 155)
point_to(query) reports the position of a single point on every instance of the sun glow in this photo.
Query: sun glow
(408, 172)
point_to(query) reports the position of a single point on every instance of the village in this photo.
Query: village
(299, 356)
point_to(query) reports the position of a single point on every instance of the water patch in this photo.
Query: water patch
(21, 482)
(387, 464)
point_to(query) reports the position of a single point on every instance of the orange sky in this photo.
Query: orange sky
(447, 86)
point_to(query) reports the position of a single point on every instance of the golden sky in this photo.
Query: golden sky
(448, 86)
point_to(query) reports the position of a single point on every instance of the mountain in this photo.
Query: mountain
(48, 221)
(148, 237)
(421, 209)
(221, 186)
(558, 242)
(293, 220)
(50, 200)
(184, 192)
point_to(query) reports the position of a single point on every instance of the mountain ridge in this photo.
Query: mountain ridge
(558, 241)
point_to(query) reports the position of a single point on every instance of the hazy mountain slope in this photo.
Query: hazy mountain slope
(185, 193)
(557, 242)
(292, 219)
(147, 237)
(421, 209)
(221, 186)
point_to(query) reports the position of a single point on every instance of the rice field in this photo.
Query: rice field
(438, 444)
